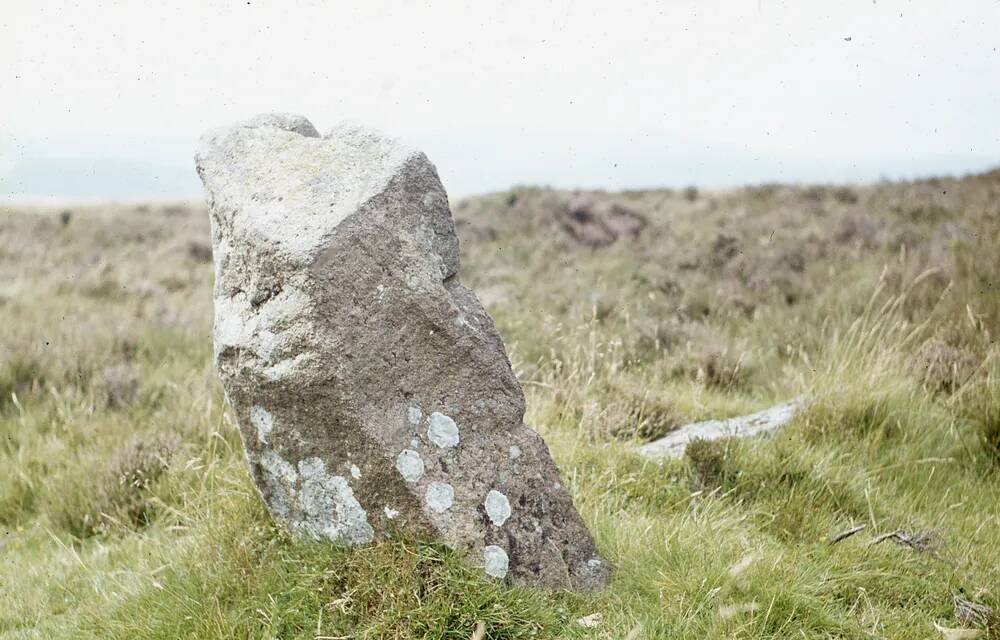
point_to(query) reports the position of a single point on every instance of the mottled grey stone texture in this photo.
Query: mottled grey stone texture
(372, 389)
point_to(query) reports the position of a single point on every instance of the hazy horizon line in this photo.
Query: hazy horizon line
(194, 192)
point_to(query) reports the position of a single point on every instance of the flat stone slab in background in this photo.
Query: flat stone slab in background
(763, 422)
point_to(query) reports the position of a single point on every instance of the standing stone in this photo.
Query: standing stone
(372, 389)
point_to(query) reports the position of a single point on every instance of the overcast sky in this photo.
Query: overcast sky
(107, 99)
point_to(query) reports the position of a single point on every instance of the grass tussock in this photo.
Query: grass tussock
(126, 509)
(119, 497)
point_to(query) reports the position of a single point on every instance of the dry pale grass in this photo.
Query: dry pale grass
(126, 510)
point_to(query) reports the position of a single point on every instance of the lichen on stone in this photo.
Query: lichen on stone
(442, 430)
(410, 465)
(497, 507)
(440, 496)
(279, 482)
(263, 421)
(328, 506)
(497, 561)
(413, 415)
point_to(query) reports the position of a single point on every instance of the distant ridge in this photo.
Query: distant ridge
(43, 179)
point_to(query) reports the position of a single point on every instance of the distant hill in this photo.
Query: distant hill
(97, 178)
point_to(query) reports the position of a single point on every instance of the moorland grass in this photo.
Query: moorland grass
(132, 515)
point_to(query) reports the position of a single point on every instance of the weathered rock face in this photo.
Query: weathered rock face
(372, 389)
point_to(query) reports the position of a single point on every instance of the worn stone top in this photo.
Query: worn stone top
(276, 168)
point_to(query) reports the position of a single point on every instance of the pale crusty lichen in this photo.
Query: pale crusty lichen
(442, 430)
(328, 507)
(316, 502)
(497, 561)
(440, 496)
(262, 419)
(497, 507)
(410, 465)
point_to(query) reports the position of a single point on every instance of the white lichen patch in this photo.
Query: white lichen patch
(440, 496)
(267, 343)
(515, 452)
(355, 471)
(285, 308)
(266, 331)
(263, 421)
(390, 513)
(442, 430)
(414, 414)
(279, 468)
(234, 323)
(497, 507)
(327, 506)
(279, 482)
(287, 367)
(496, 561)
(410, 465)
